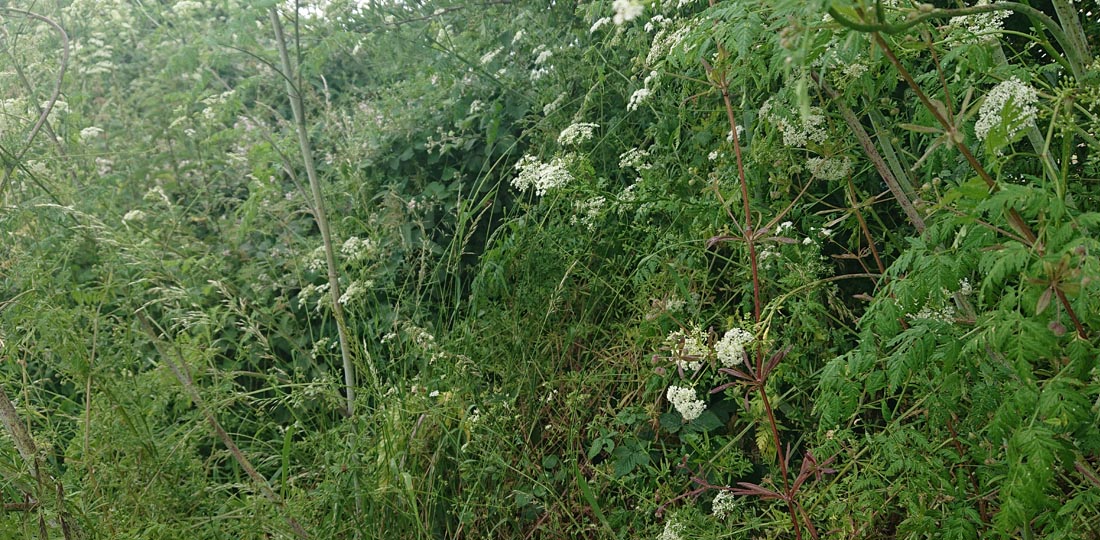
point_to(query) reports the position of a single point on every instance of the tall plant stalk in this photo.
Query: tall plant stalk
(295, 96)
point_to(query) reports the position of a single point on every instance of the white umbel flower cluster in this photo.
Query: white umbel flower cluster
(541, 176)
(636, 159)
(731, 348)
(577, 133)
(982, 26)
(829, 168)
(724, 504)
(1011, 103)
(796, 131)
(689, 348)
(626, 10)
(685, 402)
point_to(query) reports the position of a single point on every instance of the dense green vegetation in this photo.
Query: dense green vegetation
(527, 269)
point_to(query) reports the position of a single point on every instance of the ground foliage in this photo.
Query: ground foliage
(549, 221)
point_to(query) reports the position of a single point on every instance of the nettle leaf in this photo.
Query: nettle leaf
(707, 421)
(628, 457)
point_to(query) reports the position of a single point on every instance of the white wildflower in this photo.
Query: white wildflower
(656, 22)
(355, 289)
(316, 260)
(829, 168)
(982, 26)
(685, 402)
(724, 504)
(740, 133)
(90, 132)
(541, 176)
(187, 8)
(1010, 104)
(544, 54)
(730, 350)
(665, 42)
(553, 106)
(713, 155)
(599, 23)
(626, 10)
(689, 348)
(489, 56)
(637, 98)
(576, 133)
(133, 215)
(356, 248)
(586, 212)
(797, 131)
(635, 159)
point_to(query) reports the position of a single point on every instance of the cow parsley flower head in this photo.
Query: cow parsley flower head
(576, 133)
(1011, 103)
(685, 402)
(626, 10)
(730, 350)
(541, 176)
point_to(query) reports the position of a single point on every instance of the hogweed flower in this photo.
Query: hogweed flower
(685, 402)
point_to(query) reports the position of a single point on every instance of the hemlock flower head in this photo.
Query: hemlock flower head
(1013, 97)
(637, 98)
(576, 133)
(982, 26)
(674, 530)
(626, 10)
(356, 248)
(541, 176)
(685, 402)
(724, 504)
(731, 348)
(90, 132)
(829, 168)
(133, 215)
(599, 23)
(635, 159)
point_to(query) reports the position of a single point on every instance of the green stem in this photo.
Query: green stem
(295, 97)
